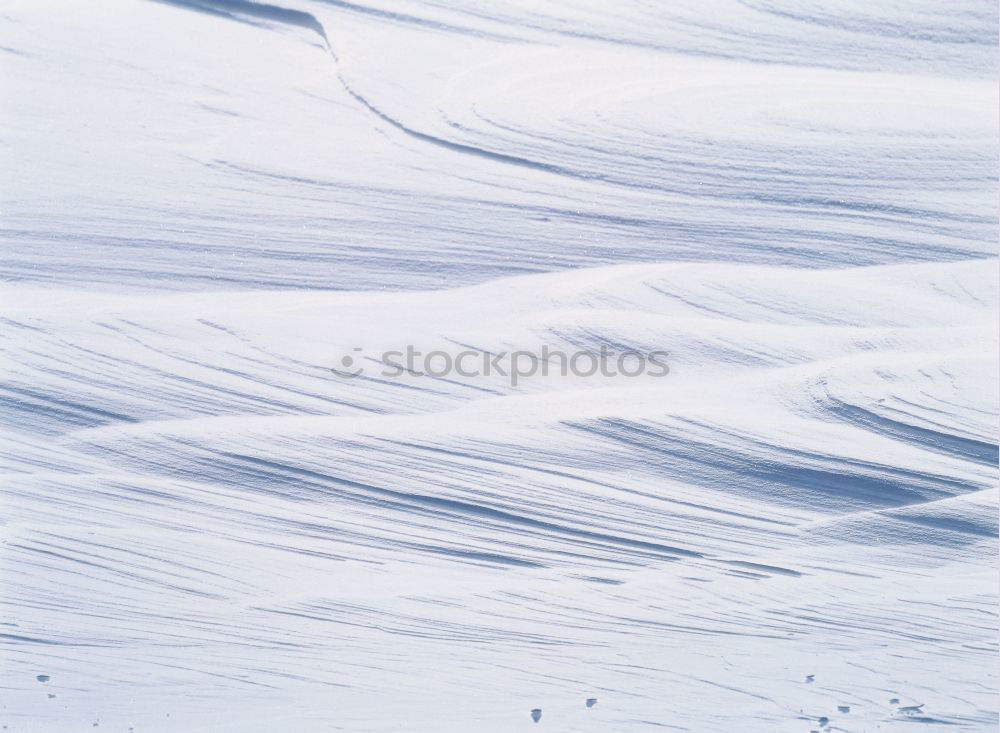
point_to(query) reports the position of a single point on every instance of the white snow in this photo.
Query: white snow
(208, 203)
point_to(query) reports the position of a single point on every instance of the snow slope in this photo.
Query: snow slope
(206, 204)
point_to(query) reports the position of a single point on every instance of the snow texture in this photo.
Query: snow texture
(207, 203)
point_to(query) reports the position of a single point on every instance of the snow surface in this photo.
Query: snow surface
(207, 203)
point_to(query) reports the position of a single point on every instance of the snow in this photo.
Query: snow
(209, 203)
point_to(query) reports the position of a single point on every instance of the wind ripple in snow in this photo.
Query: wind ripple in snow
(205, 526)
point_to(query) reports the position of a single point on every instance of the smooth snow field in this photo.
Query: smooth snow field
(221, 510)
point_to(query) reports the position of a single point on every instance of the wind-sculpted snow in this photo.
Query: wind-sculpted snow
(225, 509)
(429, 146)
